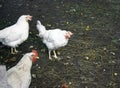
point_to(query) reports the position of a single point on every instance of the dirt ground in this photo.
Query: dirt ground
(92, 57)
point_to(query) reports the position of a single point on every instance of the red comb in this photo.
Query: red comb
(35, 56)
(35, 51)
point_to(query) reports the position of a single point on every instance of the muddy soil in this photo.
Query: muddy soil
(92, 57)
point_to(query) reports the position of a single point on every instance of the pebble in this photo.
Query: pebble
(86, 58)
(115, 74)
(104, 70)
(104, 48)
(68, 57)
(70, 83)
(39, 67)
(112, 53)
(66, 63)
(31, 46)
(58, 53)
(34, 75)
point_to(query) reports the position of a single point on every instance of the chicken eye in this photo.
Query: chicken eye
(32, 55)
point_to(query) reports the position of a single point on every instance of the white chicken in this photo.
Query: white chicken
(19, 76)
(16, 34)
(53, 39)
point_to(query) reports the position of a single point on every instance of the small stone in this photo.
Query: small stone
(113, 62)
(42, 50)
(67, 22)
(68, 57)
(30, 32)
(36, 64)
(66, 63)
(58, 53)
(81, 13)
(58, 86)
(70, 83)
(86, 86)
(74, 10)
(115, 74)
(104, 48)
(31, 46)
(34, 75)
(86, 58)
(112, 53)
(49, 25)
(104, 70)
(39, 67)
(87, 28)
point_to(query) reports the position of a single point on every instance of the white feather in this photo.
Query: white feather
(19, 76)
(54, 38)
(16, 34)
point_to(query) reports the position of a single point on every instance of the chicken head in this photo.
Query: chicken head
(28, 17)
(35, 56)
(68, 34)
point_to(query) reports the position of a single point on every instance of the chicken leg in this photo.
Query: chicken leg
(13, 51)
(50, 55)
(55, 55)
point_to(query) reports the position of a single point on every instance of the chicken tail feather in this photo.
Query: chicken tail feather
(38, 22)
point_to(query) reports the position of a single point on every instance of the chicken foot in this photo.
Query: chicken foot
(13, 51)
(55, 55)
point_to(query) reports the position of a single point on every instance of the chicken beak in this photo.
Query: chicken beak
(37, 58)
(29, 17)
(70, 33)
